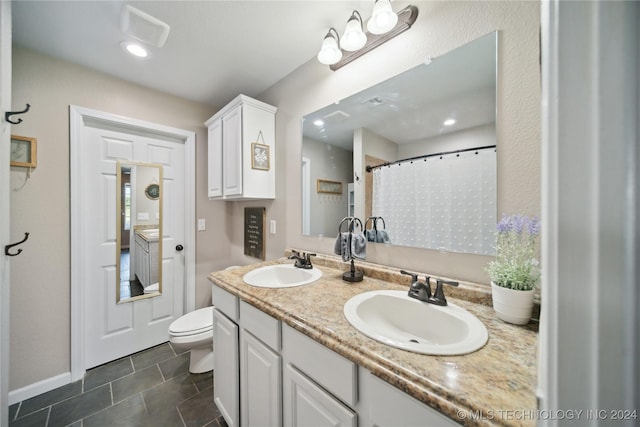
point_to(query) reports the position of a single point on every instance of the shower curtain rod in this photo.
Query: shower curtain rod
(370, 168)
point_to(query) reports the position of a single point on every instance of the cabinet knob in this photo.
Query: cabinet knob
(179, 248)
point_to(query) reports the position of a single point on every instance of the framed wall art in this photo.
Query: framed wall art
(328, 187)
(23, 151)
(259, 156)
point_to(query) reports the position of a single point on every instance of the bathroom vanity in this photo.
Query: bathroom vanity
(145, 256)
(289, 356)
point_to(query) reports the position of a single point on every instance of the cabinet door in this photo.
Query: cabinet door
(226, 381)
(215, 159)
(306, 404)
(232, 152)
(261, 388)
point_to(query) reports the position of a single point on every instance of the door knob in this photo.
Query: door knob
(179, 248)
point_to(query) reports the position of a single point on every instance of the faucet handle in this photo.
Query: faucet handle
(438, 297)
(414, 276)
(307, 260)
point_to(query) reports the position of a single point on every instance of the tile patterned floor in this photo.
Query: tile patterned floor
(149, 388)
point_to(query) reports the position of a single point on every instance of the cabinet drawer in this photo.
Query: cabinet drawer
(332, 371)
(226, 302)
(261, 325)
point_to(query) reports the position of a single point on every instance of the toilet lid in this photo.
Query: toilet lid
(192, 323)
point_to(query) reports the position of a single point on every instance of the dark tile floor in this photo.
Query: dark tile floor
(151, 388)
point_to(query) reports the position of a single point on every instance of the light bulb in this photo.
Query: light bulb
(383, 18)
(135, 49)
(329, 53)
(353, 38)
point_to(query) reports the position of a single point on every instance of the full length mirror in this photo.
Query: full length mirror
(138, 231)
(417, 152)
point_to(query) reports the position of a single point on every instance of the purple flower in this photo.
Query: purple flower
(533, 226)
(504, 226)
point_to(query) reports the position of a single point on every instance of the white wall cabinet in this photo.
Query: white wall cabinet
(238, 169)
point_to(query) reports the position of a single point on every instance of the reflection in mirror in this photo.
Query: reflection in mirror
(433, 129)
(139, 231)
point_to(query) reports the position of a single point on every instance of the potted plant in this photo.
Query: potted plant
(514, 273)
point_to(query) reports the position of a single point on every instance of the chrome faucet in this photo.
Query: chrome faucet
(422, 290)
(302, 260)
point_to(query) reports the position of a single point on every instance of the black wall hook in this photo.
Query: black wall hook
(6, 248)
(12, 113)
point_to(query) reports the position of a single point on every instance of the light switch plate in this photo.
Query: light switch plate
(202, 226)
(272, 226)
(143, 216)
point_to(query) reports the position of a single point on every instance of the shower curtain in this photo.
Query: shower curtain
(444, 202)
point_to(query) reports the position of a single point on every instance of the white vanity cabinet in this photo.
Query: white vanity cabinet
(382, 405)
(226, 360)
(144, 262)
(268, 373)
(241, 156)
(247, 364)
(320, 387)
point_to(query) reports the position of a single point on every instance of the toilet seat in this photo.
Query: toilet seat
(193, 323)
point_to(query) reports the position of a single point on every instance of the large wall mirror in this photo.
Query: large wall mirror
(139, 231)
(415, 154)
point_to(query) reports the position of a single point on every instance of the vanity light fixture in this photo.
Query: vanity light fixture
(337, 53)
(354, 37)
(330, 53)
(383, 18)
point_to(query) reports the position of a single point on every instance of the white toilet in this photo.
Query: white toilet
(194, 331)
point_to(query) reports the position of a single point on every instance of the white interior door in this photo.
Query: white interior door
(111, 330)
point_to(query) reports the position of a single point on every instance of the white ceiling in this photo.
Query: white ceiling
(215, 49)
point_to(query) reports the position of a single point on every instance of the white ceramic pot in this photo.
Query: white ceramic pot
(511, 305)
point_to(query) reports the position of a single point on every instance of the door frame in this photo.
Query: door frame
(78, 116)
(5, 211)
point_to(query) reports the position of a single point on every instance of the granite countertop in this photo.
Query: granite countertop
(492, 386)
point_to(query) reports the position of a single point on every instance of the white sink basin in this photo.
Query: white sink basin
(395, 319)
(281, 276)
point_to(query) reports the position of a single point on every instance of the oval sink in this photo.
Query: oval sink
(395, 319)
(281, 276)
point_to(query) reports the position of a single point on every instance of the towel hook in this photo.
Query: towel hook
(8, 114)
(8, 247)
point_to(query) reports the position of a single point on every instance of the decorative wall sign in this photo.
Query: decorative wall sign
(329, 187)
(254, 221)
(259, 156)
(23, 151)
(152, 191)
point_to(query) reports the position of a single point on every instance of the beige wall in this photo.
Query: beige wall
(440, 27)
(40, 276)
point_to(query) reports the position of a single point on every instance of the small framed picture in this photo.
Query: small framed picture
(259, 156)
(328, 187)
(23, 151)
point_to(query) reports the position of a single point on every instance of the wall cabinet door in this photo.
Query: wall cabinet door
(261, 387)
(226, 381)
(232, 152)
(214, 158)
(307, 404)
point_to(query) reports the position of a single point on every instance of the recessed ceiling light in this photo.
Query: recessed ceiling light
(318, 123)
(449, 122)
(135, 49)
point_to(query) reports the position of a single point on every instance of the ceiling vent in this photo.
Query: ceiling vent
(143, 27)
(336, 117)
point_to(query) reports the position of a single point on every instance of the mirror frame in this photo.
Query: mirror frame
(119, 165)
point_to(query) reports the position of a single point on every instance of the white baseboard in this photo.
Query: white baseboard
(40, 387)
